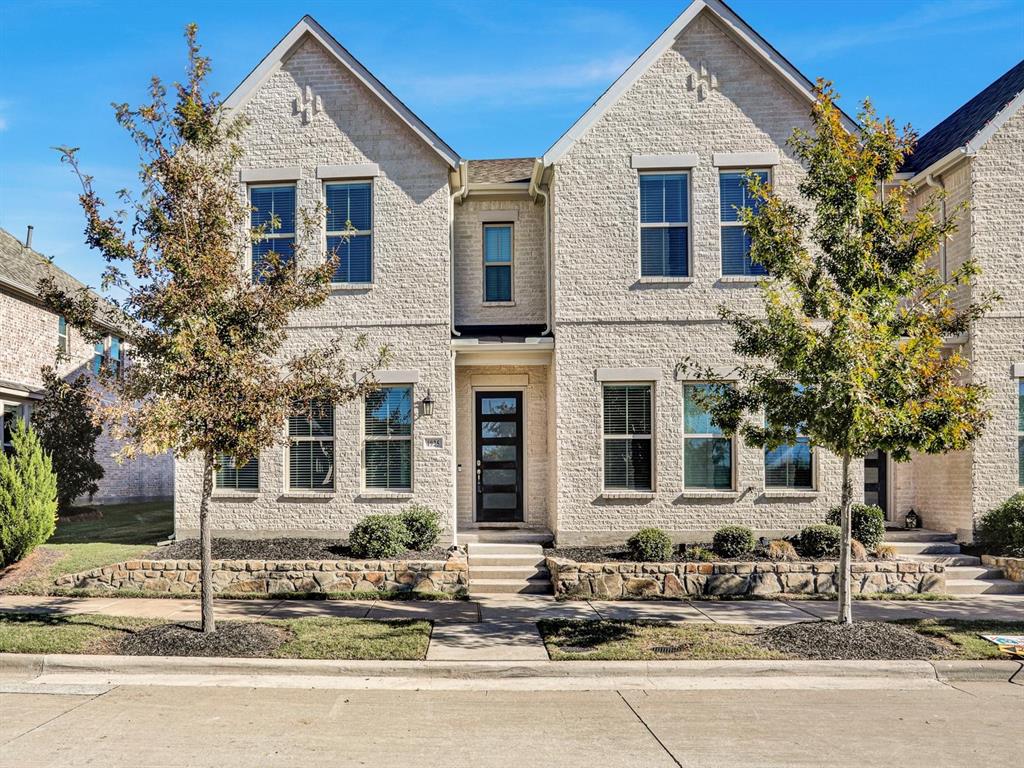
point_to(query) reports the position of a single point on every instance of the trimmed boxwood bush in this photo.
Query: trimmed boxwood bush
(1002, 529)
(379, 536)
(733, 541)
(422, 525)
(28, 496)
(649, 545)
(821, 540)
(868, 523)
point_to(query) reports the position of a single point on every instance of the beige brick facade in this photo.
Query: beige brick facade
(705, 96)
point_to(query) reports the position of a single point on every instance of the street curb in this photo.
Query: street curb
(944, 671)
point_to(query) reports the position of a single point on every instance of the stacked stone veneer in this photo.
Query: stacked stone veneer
(450, 576)
(1013, 567)
(617, 580)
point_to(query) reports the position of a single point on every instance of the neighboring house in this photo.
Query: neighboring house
(537, 308)
(32, 336)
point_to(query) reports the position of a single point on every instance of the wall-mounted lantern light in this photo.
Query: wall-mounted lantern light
(427, 405)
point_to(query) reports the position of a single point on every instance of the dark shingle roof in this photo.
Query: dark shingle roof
(504, 171)
(965, 123)
(22, 268)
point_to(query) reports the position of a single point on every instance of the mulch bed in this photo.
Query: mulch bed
(276, 549)
(233, 638)
(869, 640)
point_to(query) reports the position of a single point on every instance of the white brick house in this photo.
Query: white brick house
(542, 305)
(32, 336)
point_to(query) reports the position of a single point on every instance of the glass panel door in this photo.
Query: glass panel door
(876, 489)
(499, 457)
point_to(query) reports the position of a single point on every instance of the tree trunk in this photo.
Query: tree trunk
(206, 547)
(846, 523)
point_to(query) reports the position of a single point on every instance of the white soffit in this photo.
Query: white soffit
(738, 29)
(744, 159)
(357, 171)
(660, 162)
(309, 26)
(627, 374)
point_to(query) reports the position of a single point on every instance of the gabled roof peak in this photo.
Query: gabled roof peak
(308, 26)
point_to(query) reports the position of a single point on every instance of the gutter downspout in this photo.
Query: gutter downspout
(461, 194)
(930, 181)
(536, 191)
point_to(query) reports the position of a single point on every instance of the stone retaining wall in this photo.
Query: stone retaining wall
(613, 581)
(1013, 567)
(272, 576)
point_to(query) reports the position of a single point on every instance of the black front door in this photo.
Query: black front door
(876, 481)
(499, 457)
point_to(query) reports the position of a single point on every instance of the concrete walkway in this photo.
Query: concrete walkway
(504, 628)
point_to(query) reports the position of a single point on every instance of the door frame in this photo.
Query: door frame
(521, 389)
(888, 466)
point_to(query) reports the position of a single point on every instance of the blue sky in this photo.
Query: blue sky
(493, 79)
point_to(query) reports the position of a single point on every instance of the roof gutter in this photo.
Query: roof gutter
(940, 165)
(460, 193)
(535, 192)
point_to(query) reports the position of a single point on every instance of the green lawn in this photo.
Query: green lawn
(573, 639)
(312, 638)
(146, 523)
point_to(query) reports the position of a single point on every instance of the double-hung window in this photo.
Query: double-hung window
(497, 262)
(107, 355)
(790, 466)
(707, 453)
(734, 196)
(628, 437)
(350, 230)
(664, 225)
(238, 478)
(62, 335)
(98, 352)
(387, 428)
(273, 208)
(1020, 432)
(311, 447)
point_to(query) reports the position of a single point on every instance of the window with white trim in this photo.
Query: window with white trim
(1020, 432)
(311, 448)
(628, 437)
(791, 466)
(107, 355)
(734, 196)
(237, 478)
(272, 207)
(707, 453)
(387, 431)
(664, 224)
(497, 262)
(350, 230)
(62, 335)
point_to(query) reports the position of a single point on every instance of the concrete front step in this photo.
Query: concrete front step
(984, 587)
(509, 586)
(503, 548)
(505, 536)
(894, 535)
(949, 561)
(924, 547)
(523, 572)
(534, 561)
(959, 573)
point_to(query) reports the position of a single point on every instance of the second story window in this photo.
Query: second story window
(664, 225)
(350, 230)
(497, 262)
(62, 335)
(98, 352)
(733, 197)
(107, 355)
(273, 207)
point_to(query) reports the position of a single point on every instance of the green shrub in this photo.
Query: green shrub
(868, 523)
(701, 554)
(28, 496)
(649, 545)
(1002, 529)
(821, 540)
(733, 541)
(422, 525)
(379, 536)
(781, 550)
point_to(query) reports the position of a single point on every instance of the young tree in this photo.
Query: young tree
(28, 496)
(63, 419)
(207, 375)
(854, 347)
